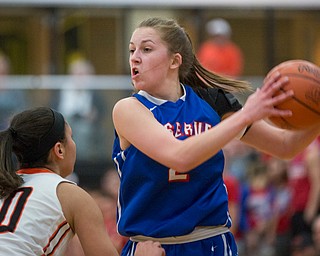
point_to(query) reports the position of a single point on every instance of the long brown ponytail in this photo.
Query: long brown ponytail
(9, 180)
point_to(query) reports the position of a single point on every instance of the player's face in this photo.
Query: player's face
(149, 59)
(70, 153)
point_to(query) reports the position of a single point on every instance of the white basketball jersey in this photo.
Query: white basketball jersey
(31, 219)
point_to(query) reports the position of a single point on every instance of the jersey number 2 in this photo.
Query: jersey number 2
(12, 209)
(175, 176)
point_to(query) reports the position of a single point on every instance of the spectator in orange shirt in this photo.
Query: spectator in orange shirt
(219, 54)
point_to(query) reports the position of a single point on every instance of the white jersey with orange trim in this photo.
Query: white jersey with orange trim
(31, 219)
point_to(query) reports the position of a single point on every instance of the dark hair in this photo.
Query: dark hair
(191, 72)
(31, 135)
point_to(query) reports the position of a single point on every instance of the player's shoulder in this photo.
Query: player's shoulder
(129, 105)
(126, 102)
(72, 195)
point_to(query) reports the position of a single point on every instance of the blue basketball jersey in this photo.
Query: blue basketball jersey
(156, 201)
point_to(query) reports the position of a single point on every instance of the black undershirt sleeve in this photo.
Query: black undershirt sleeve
(222, 102)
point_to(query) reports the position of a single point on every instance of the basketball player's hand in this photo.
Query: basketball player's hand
(149, 248)
(262, 102)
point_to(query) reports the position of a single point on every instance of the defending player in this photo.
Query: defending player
(40, 210)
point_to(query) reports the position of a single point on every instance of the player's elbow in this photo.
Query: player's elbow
(285, 153)
(182, 165)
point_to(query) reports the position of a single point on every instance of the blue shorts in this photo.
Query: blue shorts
(220, 245)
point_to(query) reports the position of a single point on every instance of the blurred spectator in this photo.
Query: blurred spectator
(302, 245)
(240, 157)
(259, 212)
(219, 54)
(243, 223)
(282, 199)
(316, 234)
(84, 109)
(108, 206)
(233, 187)
(11, 100)
(304, 179)
(110, 183)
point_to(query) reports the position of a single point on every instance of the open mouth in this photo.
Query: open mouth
(135, 71)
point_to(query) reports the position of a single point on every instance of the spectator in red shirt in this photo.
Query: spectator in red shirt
(304, 179)
(281, 207)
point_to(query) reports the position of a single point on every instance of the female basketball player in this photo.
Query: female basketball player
(40, 210)
(168, 143)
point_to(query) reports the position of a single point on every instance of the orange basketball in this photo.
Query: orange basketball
(304, 80)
